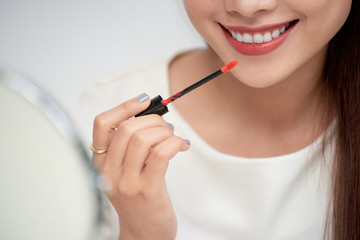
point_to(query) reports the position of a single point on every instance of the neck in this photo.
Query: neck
(281, 118)
(293, 101)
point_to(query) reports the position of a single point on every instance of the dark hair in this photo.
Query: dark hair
(342, 86)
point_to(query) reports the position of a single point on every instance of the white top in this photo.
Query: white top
(215, 195)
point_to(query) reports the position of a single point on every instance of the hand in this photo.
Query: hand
(135, 165)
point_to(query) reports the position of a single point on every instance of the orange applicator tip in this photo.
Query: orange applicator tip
(229, 66)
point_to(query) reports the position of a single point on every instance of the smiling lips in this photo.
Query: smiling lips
(260, 40)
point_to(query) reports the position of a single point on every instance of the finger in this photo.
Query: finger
(120, 141)
(140, 146)
(159, 157)
(106, 123)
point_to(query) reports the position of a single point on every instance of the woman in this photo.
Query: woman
(275, 144)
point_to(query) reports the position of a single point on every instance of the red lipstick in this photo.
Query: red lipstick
(159, 106)
(253, 49)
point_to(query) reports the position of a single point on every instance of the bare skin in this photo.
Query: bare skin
(281, 119)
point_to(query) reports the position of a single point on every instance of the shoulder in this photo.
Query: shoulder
(151, 77)
(131, 81)
(113, 89)
(117, 87)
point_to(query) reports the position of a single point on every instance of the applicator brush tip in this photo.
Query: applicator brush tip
(229, 66)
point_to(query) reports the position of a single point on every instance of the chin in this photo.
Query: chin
(259, 81)
(259, 84)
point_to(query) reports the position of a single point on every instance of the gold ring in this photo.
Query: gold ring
(99, 151)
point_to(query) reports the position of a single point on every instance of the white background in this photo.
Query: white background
(62, 45)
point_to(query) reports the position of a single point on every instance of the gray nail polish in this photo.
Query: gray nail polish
(187, 141)
(171, 126)
(142, 97)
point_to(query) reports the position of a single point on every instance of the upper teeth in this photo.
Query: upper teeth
(259, 37)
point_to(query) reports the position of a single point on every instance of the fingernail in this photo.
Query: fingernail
(171, 126)
(187, 141)
(142, 97)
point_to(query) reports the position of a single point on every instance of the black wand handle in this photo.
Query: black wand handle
(156, 107)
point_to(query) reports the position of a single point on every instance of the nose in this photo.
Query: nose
(249, 8)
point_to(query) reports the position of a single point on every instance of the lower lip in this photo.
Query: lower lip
(259, 48)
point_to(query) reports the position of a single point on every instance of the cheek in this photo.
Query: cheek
(319, 22)
(198, 10)
(202, 14)
(201, 7)
(322, 18)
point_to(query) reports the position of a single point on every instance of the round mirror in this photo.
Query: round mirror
(47, 183)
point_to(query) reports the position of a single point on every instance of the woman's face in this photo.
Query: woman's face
(271, 39)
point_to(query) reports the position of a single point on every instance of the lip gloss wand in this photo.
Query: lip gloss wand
(159, 106)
